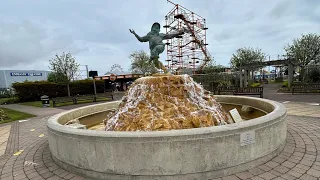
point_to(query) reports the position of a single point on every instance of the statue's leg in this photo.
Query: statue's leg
(155, 57)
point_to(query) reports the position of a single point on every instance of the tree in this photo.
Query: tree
(304, 49)
(140, 63)
(66, 66)
(213, 69)
(211, 61)
(245, 56)
(56, 77)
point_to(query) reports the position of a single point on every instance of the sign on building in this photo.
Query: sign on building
(25, 74)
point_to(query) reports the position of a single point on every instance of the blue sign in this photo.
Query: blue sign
(25, 74)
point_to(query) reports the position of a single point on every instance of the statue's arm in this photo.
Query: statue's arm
(141, 39)
(172, 35)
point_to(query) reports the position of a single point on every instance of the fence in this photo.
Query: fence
(211, 81)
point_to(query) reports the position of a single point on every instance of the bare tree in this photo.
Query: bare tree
(66, 65)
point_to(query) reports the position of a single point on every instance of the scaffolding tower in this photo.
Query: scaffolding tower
(188, 51)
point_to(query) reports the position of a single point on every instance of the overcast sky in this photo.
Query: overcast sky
(96, 31)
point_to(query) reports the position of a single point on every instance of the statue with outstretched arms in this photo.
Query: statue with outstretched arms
(156, 45)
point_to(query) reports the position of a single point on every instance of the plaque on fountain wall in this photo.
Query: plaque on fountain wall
(235, 115)
(247, 138)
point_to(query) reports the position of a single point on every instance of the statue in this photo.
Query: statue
(156, 45)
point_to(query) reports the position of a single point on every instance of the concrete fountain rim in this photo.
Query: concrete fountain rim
(277, 114)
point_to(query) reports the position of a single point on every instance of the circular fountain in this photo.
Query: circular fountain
(168, 127)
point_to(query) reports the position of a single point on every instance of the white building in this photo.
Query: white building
(7, 77)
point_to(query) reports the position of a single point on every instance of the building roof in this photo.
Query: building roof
(117, 72)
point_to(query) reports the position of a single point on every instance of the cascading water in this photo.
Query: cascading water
(159, 103)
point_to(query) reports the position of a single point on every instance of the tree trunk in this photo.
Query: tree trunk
(68, 87)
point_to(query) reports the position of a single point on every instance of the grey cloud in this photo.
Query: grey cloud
(96, 32)
(23, 42)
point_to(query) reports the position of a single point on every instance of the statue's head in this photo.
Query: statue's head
(155, 27)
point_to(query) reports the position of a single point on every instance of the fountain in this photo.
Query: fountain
(165, 103)
(167, 127)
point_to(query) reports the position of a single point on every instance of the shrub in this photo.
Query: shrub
(32, 91)
(10, 100)
(285, 84)
(314, 75)
(255, 85)
(3, 116)
(279, 79)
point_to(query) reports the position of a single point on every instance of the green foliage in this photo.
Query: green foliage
(3, 116)
(255, 85)
(278, 79)
(10, 100)
(65, 66)
(32, 91)
(211, 81)
(245, 56)
(304, 49)
(12, 115)
(210, 61)
(313, 75)
(285, 84)
(140, 63)
(56, 77)
(213, 69)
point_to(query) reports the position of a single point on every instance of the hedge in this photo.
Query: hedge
(32, 91)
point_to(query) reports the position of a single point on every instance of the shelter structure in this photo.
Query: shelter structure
(278, 62)
(118, 81)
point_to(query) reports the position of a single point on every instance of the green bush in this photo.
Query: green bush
(3, 116)
(279, 79)
(255, 85)
(285, 84)
(10, 100)
(314, 75)
(32, 91)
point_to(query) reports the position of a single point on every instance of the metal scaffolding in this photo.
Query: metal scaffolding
(188, 51)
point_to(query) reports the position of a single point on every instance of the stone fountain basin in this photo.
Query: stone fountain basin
(199, 153)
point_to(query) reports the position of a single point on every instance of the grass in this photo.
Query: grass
(274, 82)
(255, 85)
(15, 115)
(3, 100)
(39, 103)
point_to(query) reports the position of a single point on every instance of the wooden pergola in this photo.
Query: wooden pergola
(278, 62)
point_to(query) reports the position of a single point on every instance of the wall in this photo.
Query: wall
(199, 153)
(7, 77)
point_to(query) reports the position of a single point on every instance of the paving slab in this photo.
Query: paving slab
(31, 159)
(27, 154)
(4, 136)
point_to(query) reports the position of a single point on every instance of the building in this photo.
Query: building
(118, 80)
(7, 77)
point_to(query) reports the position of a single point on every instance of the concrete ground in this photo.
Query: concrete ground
(270, 92)
(33, 110)
(25, 154)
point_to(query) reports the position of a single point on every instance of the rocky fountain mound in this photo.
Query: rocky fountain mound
(158, 103)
